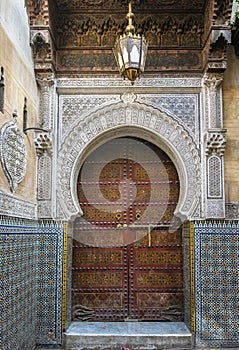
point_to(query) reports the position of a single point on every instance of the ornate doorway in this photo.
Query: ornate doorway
(127, 253)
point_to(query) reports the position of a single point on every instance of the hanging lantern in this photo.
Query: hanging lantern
(130, 51)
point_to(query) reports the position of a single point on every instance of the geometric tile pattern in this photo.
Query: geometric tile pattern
(30, 283)
(216, 254)
(18, 293)
(49, 280)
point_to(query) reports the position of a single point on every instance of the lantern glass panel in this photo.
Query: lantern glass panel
(143, 55)
(120, 61)
(134, 56)
(125, 56)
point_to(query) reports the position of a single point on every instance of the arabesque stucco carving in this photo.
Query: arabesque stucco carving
(128, 119)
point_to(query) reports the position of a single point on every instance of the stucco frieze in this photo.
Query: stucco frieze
(154, 81)
(14, 206)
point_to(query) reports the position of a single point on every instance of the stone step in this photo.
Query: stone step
(133, 335)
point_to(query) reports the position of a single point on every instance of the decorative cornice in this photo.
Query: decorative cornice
(38, 12)
(121, 5)
(43, 50)
(217, 56)
(34, 5)
(222, 11)
(170, 30)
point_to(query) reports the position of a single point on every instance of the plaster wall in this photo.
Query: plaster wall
(231, 123)
(14, 20)
(19, 81)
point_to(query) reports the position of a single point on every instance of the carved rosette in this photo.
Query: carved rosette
(13, 153)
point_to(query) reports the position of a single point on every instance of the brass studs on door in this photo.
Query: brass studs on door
(138, 214)
(118, 215)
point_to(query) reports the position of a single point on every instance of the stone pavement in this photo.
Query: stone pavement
(195, 348)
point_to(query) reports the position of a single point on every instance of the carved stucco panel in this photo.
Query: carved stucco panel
(10, 205)
(129, 119)
(13, 153)
(72, 107)
(109, 83)
(215, 208)
(184, 108)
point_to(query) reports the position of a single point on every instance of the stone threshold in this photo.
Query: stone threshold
(133, 335)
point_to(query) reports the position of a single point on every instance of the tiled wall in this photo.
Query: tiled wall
(18, 241)
(49, 279)
(216, 261)
(31, 283)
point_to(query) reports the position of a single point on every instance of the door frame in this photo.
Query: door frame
(170, 136)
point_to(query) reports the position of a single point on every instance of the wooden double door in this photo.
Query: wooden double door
(127, 252)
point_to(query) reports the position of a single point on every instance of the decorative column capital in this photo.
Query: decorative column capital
(215, 142)
(45, 79)
(43, 143)
(213, 80)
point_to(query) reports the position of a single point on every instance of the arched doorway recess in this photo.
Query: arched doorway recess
(127, 251)
(137, 120)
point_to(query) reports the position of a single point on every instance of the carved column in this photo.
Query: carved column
(213, 100)
(43, 145)
(217, 37)
(215, 142)
(46, 86)
(214, 145)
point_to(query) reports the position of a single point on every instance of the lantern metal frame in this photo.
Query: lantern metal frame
(130, 51)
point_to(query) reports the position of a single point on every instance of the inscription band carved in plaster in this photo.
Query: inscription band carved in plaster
(129, 119)
(107, 82)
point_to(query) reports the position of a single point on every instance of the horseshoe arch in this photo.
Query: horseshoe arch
(128, 119)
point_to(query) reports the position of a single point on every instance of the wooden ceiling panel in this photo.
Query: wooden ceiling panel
(78, 35)
(122, 5)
